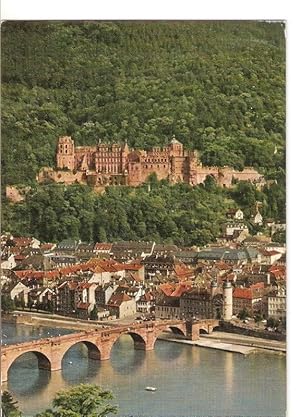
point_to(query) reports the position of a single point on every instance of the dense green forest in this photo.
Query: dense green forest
(179, 214)
(218, 86)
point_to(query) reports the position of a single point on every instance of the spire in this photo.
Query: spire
(175, 141)
(125, 146)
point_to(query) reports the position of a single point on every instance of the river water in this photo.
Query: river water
(190, 381)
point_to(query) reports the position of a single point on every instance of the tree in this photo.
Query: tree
(210, 183)
(258, 318)
(94, 313)
(243, 314)
(272, 322)
(7, 304)
(9, 406)
(279, 236)
(84, 400)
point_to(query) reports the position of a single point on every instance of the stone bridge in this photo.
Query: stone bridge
(50, 352)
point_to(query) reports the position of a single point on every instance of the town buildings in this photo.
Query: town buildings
(276, 303)
(144, 278)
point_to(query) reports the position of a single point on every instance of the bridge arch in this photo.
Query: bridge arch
(177, 330)
(138, 338)
(174, 330)
(203, 330)
(92, 349)
(43, 360)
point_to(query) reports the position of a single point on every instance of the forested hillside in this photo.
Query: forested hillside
(179, 214)
(218, 86)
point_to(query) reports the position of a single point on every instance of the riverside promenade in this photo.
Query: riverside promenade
(232, 343)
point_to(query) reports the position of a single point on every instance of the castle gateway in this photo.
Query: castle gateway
(115, 164)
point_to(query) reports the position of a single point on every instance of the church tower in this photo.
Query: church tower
(65, 154)
(227, 297)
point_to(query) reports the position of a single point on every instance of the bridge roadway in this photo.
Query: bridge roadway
(50, 351)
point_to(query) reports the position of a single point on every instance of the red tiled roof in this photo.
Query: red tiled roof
(223, 266)
(180, 289)
(118, 299)
(47, 246)
(83, 306)
(274, 252)
(103, 246)
(182, 271)
(246, 293)
(167, 289)
(22, 241)
(83, 285)
(243, 293)
(107, 265)
(135, 277)
(274, 268)
(257, 285)
(52, 274)
(15, 250)
(29, 274)
(19, 257)
(22, 274)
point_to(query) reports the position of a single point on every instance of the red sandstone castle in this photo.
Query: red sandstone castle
(115, 164)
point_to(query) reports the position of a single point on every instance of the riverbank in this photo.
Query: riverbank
(232, 343)
(54, 320)
(227, 347)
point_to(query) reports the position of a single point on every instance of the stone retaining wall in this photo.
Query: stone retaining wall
(231, 328)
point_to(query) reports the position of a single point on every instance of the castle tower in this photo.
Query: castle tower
(227, 297)
(175, 147)
(65, 153)
(124, 157)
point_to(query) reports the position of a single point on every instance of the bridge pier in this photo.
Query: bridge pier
(138, 345)
(56, 362)
(192, 331)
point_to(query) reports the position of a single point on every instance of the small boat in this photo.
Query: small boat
(150, 388)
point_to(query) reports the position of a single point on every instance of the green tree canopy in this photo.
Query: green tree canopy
(9, 406)
(84, 400)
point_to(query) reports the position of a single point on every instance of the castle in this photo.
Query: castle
(115, 164)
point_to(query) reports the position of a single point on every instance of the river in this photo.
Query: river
(190, 381)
